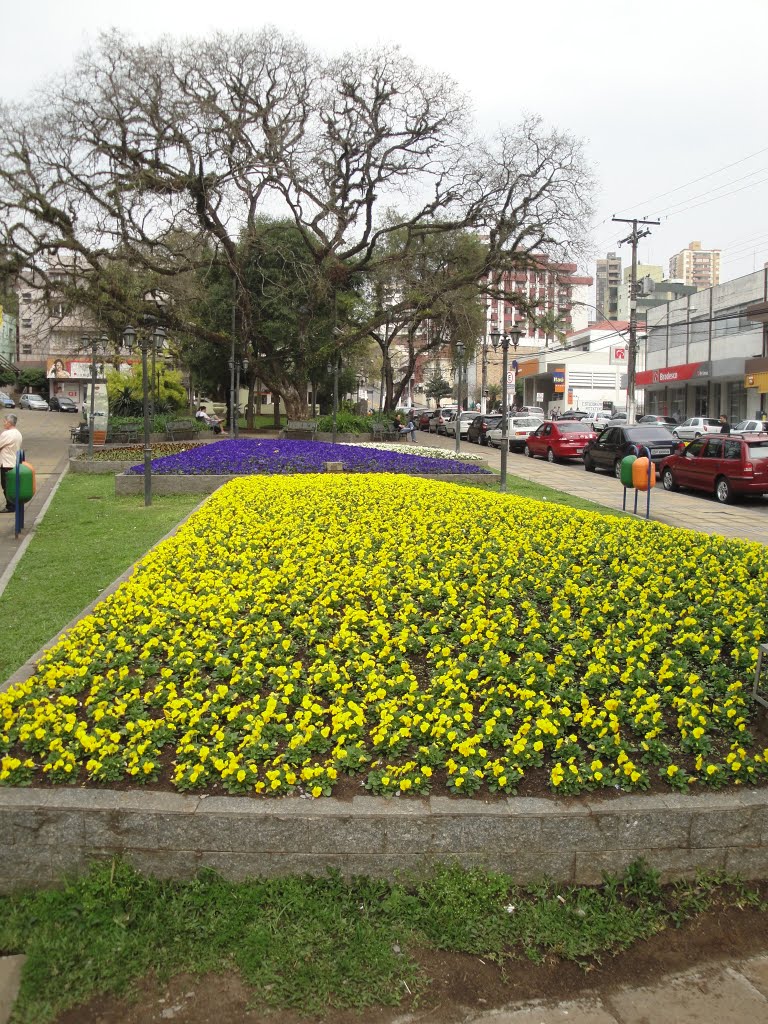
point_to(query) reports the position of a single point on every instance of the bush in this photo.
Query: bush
(346, 423)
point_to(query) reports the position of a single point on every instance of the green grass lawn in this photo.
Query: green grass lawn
(87, 538)
(320, 943)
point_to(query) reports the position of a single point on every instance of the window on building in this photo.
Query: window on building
(26, 322)
(26, 350)
(26, 296)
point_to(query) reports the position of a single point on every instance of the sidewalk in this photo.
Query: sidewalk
(46, 447)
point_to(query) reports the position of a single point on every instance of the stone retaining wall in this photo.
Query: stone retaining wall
(47, 832)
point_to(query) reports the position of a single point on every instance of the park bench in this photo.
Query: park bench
(79, 434)
(123, 435)
(181, 430)
(381, 432)
(294, 428)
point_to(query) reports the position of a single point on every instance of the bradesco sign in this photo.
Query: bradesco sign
(672, 374)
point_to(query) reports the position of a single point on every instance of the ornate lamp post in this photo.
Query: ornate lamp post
(459, 366)
(333, 367)
(93, 340)
(513, 337)
(156, 339)
(235, 365)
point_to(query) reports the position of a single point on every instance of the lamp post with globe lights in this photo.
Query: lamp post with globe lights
(513, 338)
(154, 336)
(459, 367)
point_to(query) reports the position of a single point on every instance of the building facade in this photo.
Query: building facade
(589, 373)
(608, 286)
(696, 266)
(8, 327)
(701, 352)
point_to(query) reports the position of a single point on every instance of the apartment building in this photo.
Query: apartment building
(553, 289)
(696, 266)
(608, 286)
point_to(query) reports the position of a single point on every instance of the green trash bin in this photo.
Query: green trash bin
(26, 483)
(626, 470)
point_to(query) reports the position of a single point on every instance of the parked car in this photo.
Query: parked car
(559, 439)
(477, 431)
(464, 419)
(518, 431)
(750, 427)
(574, 414)
(423, 421)
(438, 419)
(6, 402)
(62, 403)
(598, 420)
(664, 421)
(725, 466)
(695, 426)
(607, 451)
(530, 410)
(33, 402)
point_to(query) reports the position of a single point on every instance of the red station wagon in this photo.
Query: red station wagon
(725, 465)
(562, 439)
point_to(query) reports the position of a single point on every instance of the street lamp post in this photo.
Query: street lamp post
(235, 366)
(459, 366)
(156, 339)
(93, 340)
(513, 337)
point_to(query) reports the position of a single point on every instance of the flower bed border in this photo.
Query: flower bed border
(49, 832)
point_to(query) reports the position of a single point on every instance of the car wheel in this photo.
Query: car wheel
(617, 469)
(669, 481)
(696, 436)
(675, 434)
(589, 464)
(527, 451)
(723, 491)
(551, 455)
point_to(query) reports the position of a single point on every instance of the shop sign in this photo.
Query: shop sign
(558, 376)
(618, 355)
(672, 374)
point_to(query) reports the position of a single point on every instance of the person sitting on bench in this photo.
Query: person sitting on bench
(210, 419)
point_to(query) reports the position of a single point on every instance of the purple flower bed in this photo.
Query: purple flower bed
(275, 457)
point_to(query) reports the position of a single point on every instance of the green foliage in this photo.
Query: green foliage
(437, 386)
(318, 943)
(33, 378)
(346, 423)
(126, 391)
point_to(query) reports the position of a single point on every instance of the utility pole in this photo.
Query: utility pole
(633, 238)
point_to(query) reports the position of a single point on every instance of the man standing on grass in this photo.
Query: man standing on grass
(10, 444)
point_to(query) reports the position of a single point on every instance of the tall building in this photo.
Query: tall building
(696, 266)
(608, 284)
(645, 271)
(555, 290)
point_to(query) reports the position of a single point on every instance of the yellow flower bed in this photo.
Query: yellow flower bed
(300, 628)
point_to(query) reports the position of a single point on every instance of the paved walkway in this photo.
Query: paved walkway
(46, 447)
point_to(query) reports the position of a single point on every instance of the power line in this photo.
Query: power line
(709, 191)
(695, 181)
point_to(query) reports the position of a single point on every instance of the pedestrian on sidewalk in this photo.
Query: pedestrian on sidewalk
(725, 427)
(10, 444)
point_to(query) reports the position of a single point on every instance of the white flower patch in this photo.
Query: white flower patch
(411, 449)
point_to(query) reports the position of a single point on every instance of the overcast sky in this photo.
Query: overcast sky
(663, 93)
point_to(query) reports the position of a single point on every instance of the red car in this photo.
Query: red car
(725, 465)
(559, 439)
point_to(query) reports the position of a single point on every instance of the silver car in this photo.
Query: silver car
(696, 426)
(33, 402)
(463, 420)
(520, 427)
(750, 427)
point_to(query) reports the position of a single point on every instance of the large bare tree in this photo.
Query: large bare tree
(165, 155)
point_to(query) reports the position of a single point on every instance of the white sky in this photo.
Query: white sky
(663, 92)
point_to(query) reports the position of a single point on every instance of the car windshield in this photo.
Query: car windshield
(758, 449)
(571, 427)
(648, 433)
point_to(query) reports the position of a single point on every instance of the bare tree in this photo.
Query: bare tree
(161, 156)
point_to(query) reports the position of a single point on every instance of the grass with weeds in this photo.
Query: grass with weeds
(87, 538)
(315, 943)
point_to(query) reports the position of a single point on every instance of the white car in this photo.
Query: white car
(750, 427)
(463, 420)
(696, 426)
(518, 431)
(33, 402)
(598, 420)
